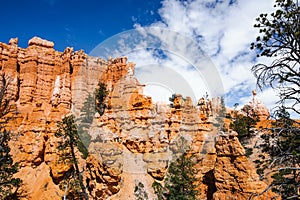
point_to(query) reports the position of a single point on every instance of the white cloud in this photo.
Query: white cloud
(224, 30)
(165, 58)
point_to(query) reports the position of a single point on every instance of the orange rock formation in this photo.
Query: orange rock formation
(258, 107)
(131, 142)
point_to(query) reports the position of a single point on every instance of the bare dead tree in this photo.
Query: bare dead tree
(279, 39)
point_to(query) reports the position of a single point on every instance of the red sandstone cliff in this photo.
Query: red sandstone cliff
(131, 142)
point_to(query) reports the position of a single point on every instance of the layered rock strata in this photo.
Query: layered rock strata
(133, 141)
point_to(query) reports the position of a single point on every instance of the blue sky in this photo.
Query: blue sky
(223, 29)
(81, 24)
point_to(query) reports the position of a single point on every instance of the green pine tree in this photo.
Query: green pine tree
(244, 124)
(70, 139)
(139, 192)
(84, 122)
(8, 184)
(180, 181)
(278, 39)
(100, 94)
(160, 191)
(88, 110)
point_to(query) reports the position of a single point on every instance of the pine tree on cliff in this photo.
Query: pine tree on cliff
(180, 181)
(88, 111)
(72, 183)
(100, 94)
(243, 124)
(7, 169)
(91, 105)
(85, 120)
(139, 192)
(8, 185)
(279, 39)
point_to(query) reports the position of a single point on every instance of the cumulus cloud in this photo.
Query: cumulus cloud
(165, 59)
(224, 30)
(175, 54)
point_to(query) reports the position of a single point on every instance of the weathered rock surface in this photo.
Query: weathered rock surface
(258, 107)
(133, 141)
(235, 176)
(42, 83)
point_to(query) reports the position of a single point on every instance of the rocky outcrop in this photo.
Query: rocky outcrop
(133, 141)
(42, 83)
(103, 181)
(258, 108)
(235, 177)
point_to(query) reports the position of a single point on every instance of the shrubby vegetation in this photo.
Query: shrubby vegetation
(244, 124)
(173, 97)
(281, 155)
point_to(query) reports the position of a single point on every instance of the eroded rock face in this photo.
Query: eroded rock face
(103, 181)
(132, 122)
(235, 177)
(132, 141)
(258, 107)
(42, 88)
